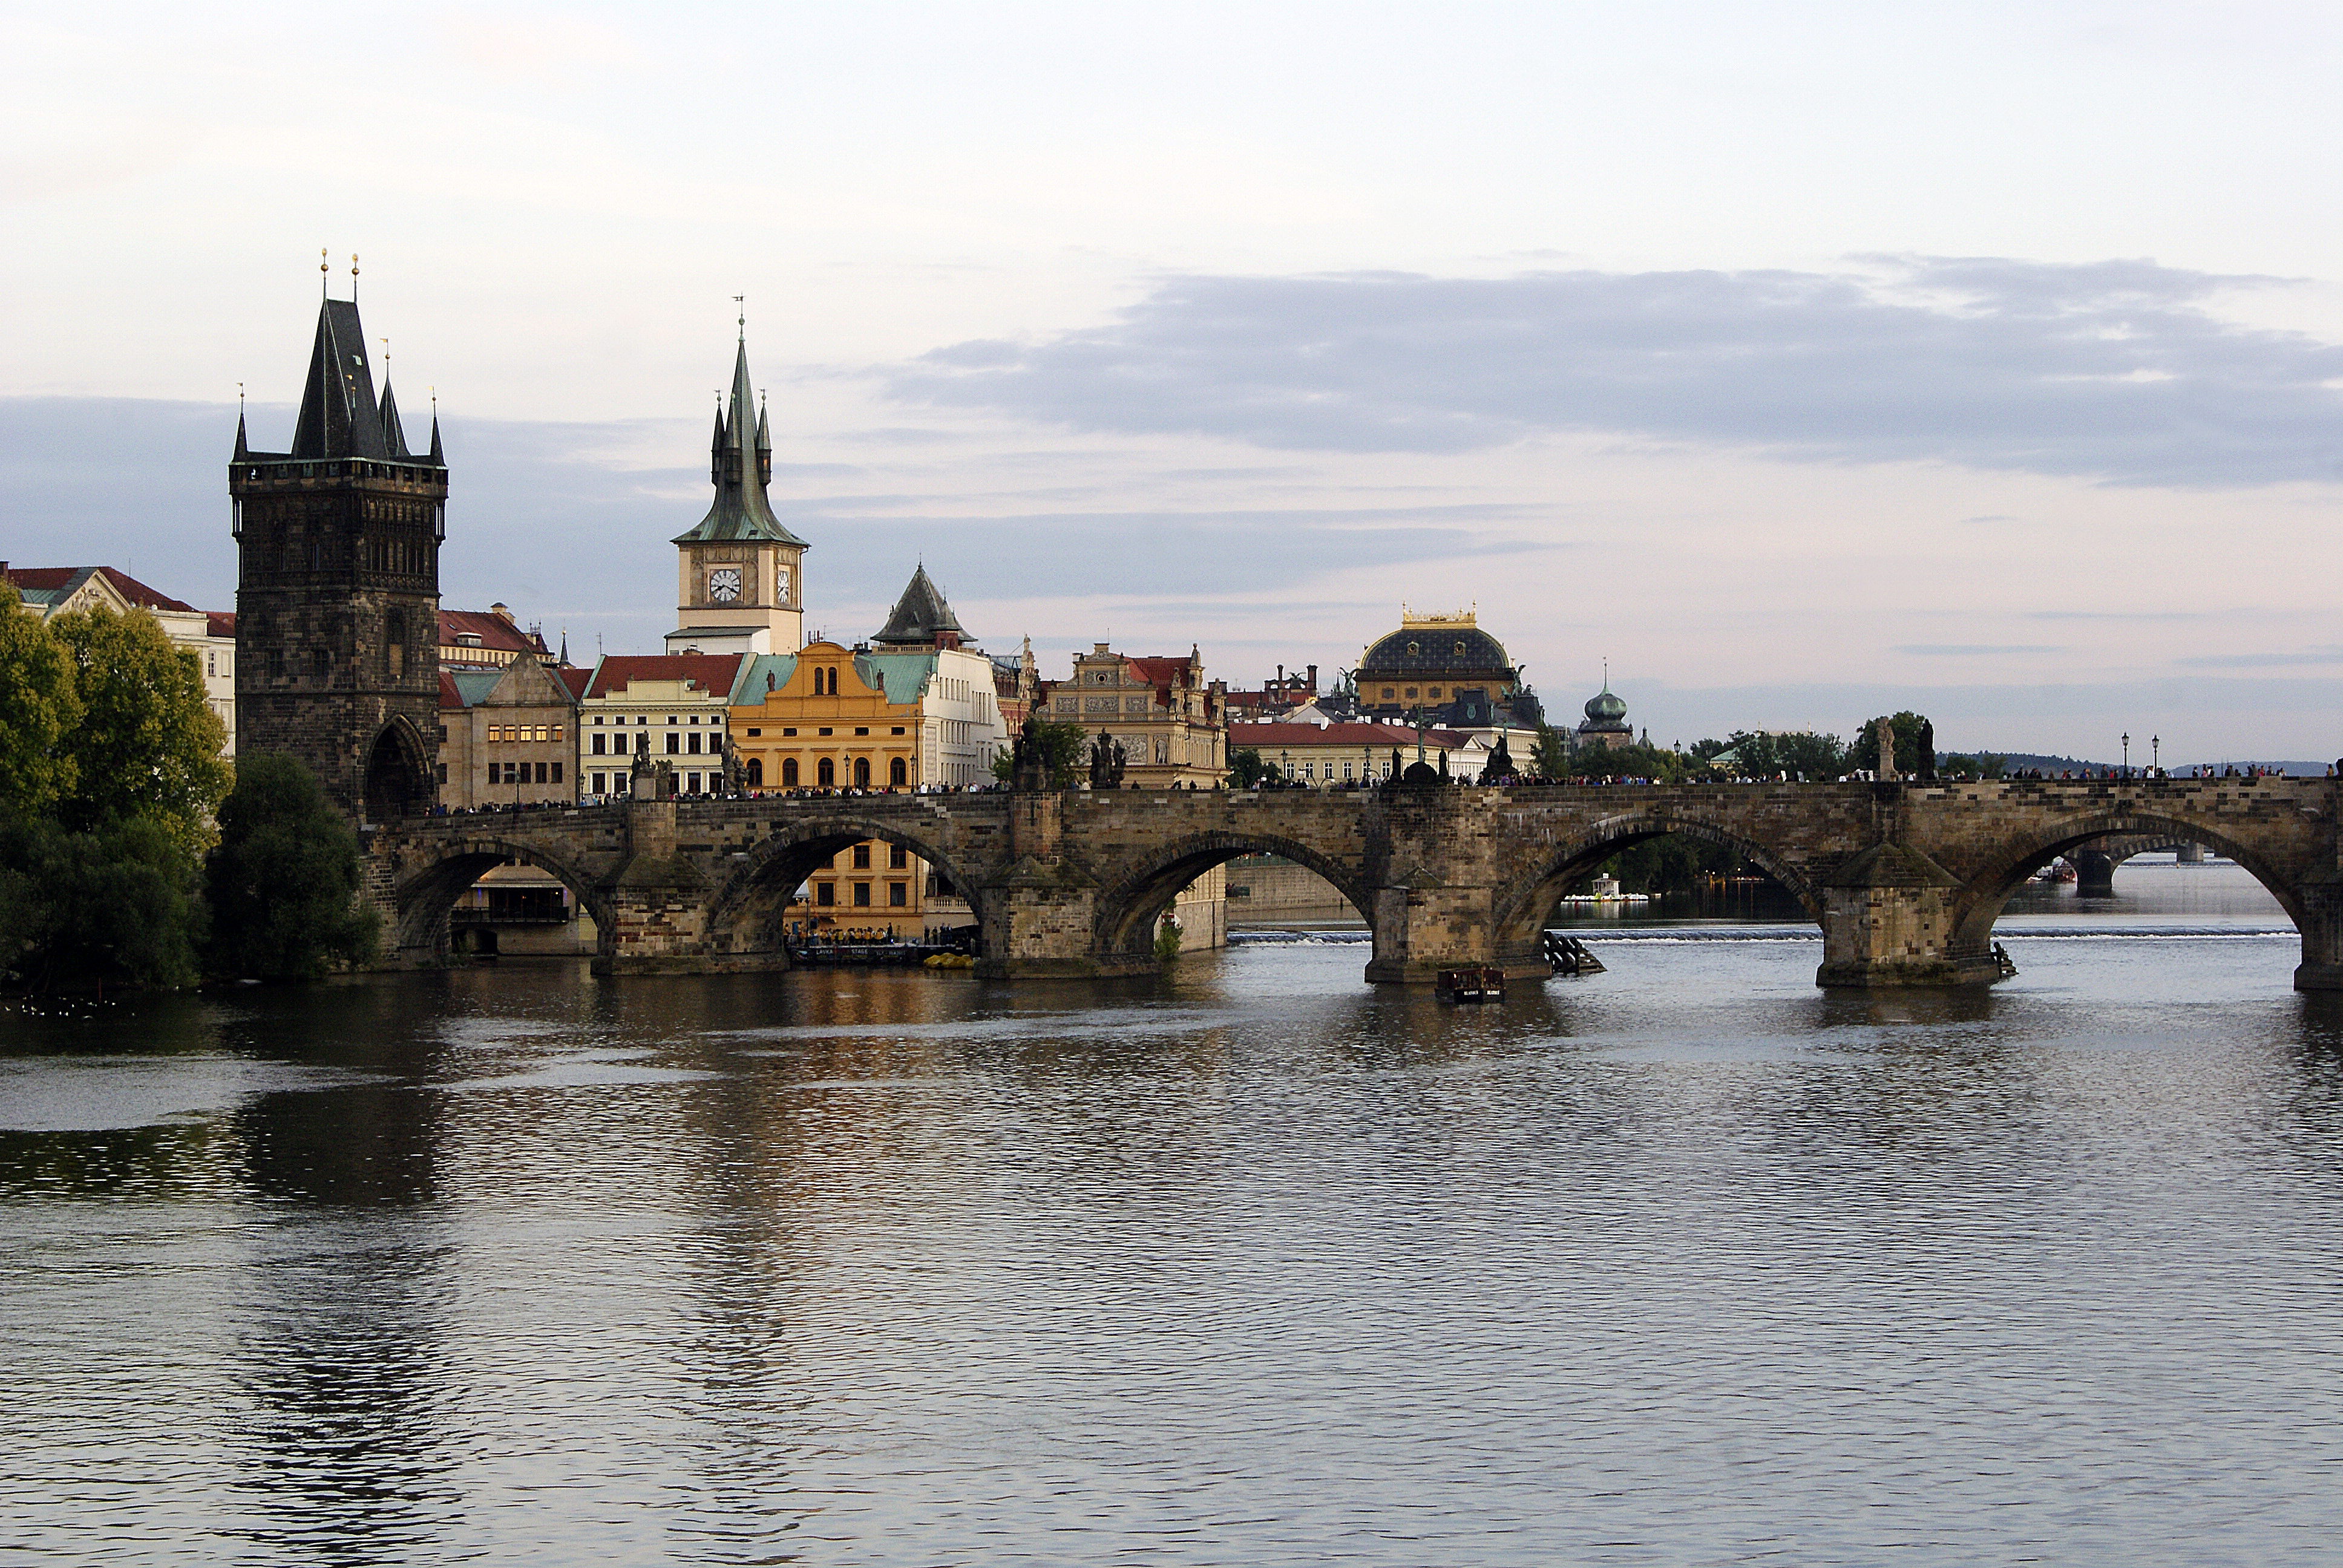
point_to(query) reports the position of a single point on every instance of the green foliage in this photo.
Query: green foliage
(1552, 753)
(1651, 762)
(147, 745)
(284, 881)
(1067, 746)
(1245, 768)
(39, 707)
(1167, 940)
(1813, 758)
(116, 904)
(1671, 863)
(1983, 764)
(1863, 754)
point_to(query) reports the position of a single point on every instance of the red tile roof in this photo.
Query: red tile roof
(710, 672)
(493, 631)
(574, 678)
(126, 585)
(219, 623)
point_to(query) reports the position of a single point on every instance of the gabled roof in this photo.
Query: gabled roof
(896, 676)
(574, 678)
(920, 615)
(710, 673)
(219, 623)
(740, 457)
(467, 687)
(493, 631)
(52, 585)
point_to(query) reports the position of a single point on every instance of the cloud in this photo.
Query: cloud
(2263, 660)
(2117, 371)
(1962, 650)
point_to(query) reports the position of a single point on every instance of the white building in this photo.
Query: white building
(209, 635)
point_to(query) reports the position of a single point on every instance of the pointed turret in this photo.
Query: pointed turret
(242, 450)
(394, 434)
(339, 418)
(922, 617)
(764, 445)
(740, 466)
(438, 460)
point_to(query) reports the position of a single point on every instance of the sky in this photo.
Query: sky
(1802, 362)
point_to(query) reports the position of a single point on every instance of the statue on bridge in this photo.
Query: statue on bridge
(1029, 761)
(1107, 761)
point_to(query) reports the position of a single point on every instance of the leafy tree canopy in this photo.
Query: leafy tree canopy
(1067, 748)
(115, 904)
(1245, 768)
(147, 745)
(39, 707)
(283, 881)
(1653, 763)
(1863, 753)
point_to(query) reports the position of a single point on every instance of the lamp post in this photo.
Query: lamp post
(1366, 765)
(2126, 746)
(2155, 755)
(1284, 767)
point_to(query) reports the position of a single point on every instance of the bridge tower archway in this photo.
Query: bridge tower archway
(397, 779)
(425, 898)
(1129, 910)
(750, 914)
(1986, 895)
(1523, 908)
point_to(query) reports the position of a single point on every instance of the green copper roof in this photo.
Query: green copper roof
(741, 465)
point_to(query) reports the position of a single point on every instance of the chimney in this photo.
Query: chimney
(1314, 680)
(501, 611)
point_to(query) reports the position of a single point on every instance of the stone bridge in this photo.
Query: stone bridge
(1905, 880)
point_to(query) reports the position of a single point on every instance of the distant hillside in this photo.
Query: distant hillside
(2016, 762)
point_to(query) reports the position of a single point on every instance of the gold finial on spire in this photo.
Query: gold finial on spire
(742, 301)
(354, 277)
(239, 399)
(325, 270)
(386, 359)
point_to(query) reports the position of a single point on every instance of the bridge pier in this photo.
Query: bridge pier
(658, 904)
(1889, 919)
(2094, 874)
(2321, 921)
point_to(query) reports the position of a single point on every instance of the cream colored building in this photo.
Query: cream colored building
(1174, 728)
(669, 707)
(209, 635)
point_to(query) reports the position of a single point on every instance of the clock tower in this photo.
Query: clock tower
(739, 584)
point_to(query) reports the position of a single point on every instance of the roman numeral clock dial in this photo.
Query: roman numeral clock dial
(724, 585)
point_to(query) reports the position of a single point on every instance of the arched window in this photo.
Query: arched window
(897, 774)
(789, 772)
(862, 773)
(756, 773)
(825, 773)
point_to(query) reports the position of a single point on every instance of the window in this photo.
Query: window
(754, 732)
(756, 773)
(1346, 773)
(443, 773)
(899, 773)
(823, 730)
(601, 783)
(1411, 694)
(899, 895)
(861, 856)
(1434, 694)
(557, 730)
(556, 772)
(897, 857)
(862, 729)
(789, 772)
(862, 773)
(674, 744)
(598, 719)
(211, 664)
(600, 744)
(825, 773)
(541, 778)
(898, 729)
(787, 730)
(691, 783)
(825, 893)
(693, 744)
(861, 895)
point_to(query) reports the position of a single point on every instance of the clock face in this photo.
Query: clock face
(781, 584)
(724, 584)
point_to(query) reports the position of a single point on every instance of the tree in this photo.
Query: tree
(284, 878)
(39, 707)
(1653, 762)
(1552, 753)
(1064, 744)
(147, 745)
(1245, 768)
(1863, 755)
(116, 904)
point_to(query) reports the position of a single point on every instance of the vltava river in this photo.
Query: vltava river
(1684, 1264)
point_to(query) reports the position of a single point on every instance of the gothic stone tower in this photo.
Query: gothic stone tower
(739, 575)
(338, 587)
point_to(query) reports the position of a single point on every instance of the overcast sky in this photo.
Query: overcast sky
(1804, 361)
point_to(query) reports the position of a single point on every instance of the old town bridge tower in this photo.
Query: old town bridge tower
(338, 586)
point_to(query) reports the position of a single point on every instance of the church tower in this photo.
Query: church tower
(338, 586)
(739, 586)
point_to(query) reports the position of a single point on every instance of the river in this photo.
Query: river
(1688, 1262)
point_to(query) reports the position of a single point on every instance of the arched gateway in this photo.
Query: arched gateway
(1904, 880)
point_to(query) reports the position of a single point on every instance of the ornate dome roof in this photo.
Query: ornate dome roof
(1605, 710)
(1429, 649)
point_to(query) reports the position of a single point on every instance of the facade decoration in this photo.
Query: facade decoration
(1172, 726)
(1449, 673)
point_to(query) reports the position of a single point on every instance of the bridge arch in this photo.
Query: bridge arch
(394, 779)
(748, 912)
(1129, 907)
(1985, 895)
(425, 895)
(1523, 906)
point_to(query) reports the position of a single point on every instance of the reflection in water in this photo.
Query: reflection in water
(1688, 1262)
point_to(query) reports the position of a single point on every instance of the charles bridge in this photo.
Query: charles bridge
(1906, 879)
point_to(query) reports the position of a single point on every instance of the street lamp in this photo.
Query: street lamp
(2154, 752)
(2126, 746)
(1284, 767)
